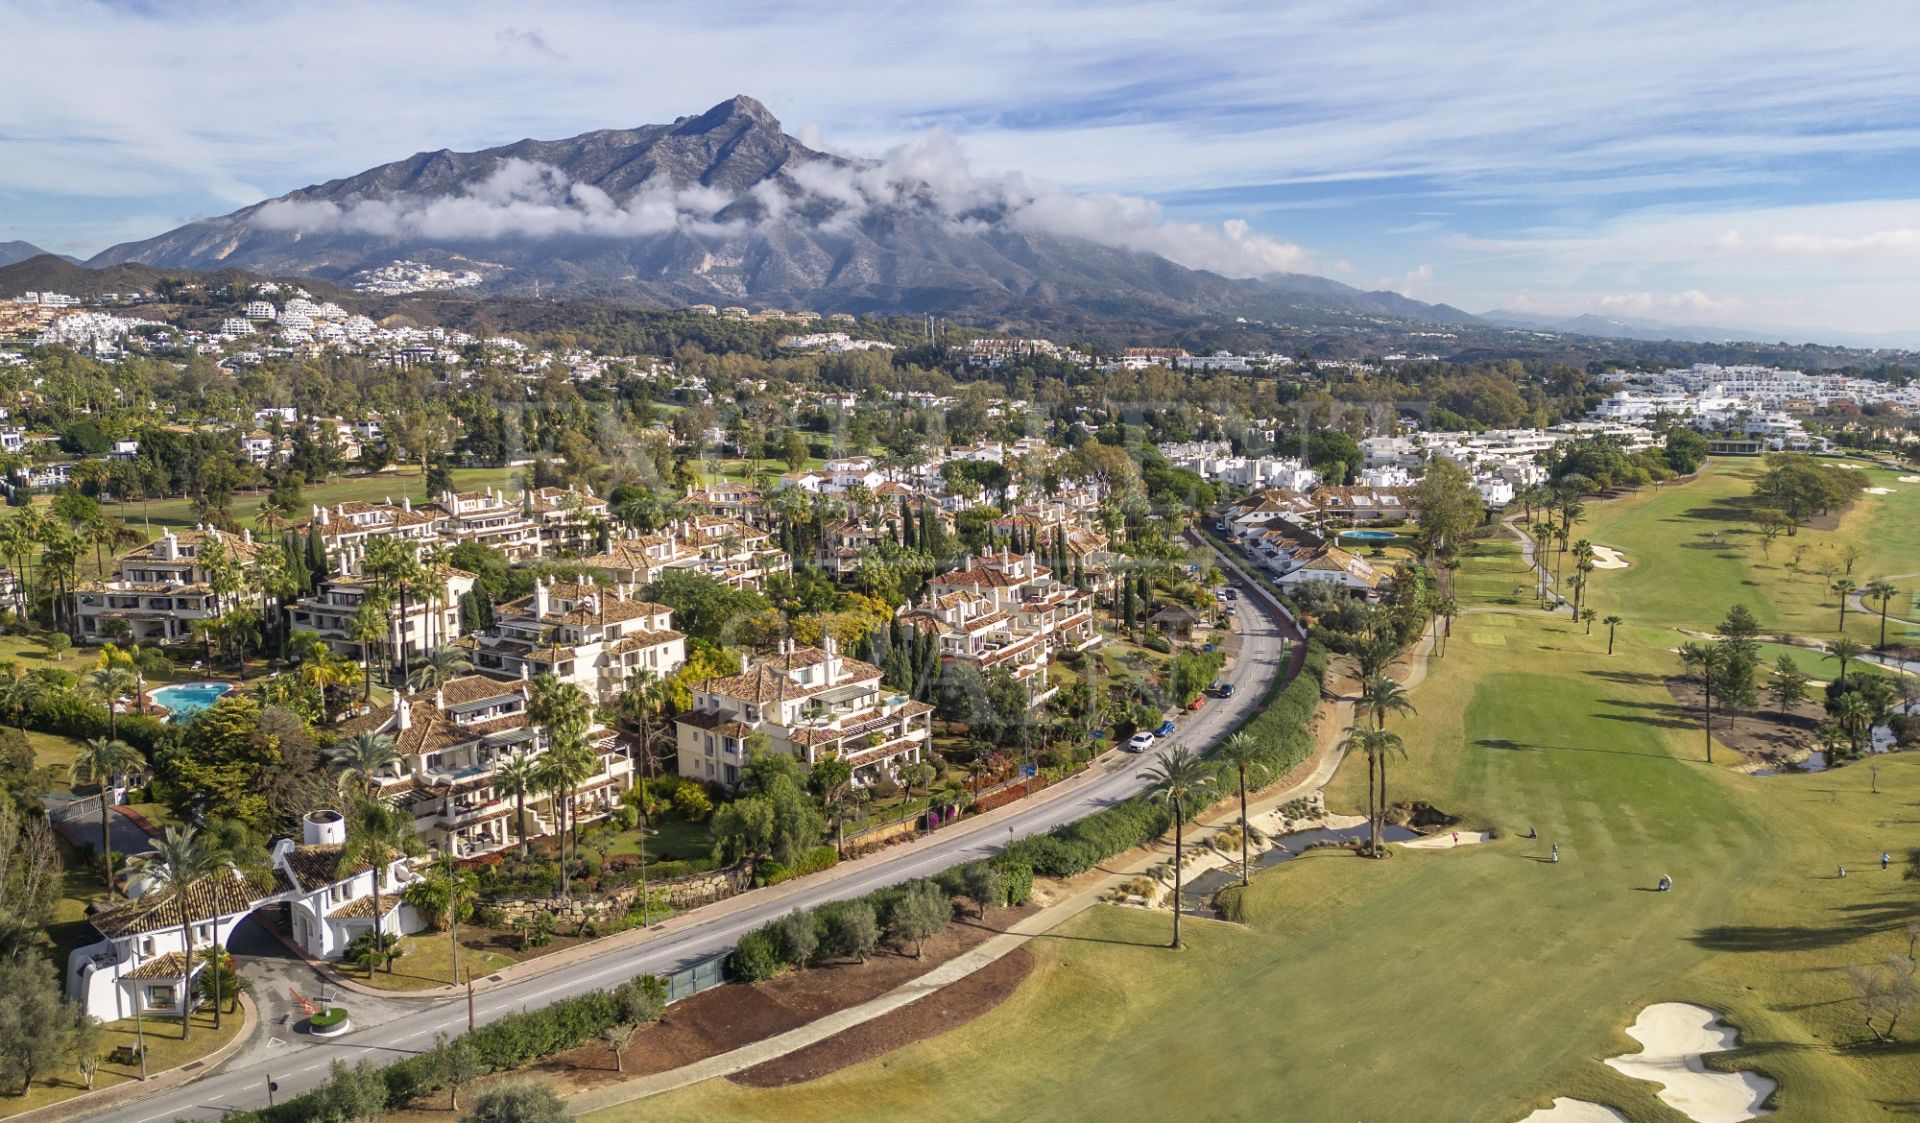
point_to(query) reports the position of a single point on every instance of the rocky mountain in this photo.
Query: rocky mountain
(11, 252)
(726, 208)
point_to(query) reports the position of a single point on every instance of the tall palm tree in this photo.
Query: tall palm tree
(376, 835)
(1884, 591)
(99, 760)
(1380, 696)
(1612, 621)
(1376, 744)
(180, 861)
(1846, 651)
(367, 626)
(518, 776)
(359, 759)
(1707, 660)
(567, 761)
(1180, 780)
(441, 666)
(108, 684)
(1241, 751)
(1844, 588)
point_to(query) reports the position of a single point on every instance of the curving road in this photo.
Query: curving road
(388, 1030)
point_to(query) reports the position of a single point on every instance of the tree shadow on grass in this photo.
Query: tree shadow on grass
(1518, 747)
(1867, 918)
(1661, 722)
(1628, 678)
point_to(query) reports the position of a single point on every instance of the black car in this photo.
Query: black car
(1224, 690)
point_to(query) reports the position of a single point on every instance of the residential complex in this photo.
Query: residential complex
(808, 702)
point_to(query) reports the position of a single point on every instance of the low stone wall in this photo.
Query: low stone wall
(682, 893)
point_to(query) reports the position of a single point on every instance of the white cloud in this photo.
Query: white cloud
(1898, 244)
(525, 199)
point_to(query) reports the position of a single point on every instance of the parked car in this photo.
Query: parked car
(1165, 730)
(1140, 742)
(1223, 690)
(1199, 700)
(1233, 593)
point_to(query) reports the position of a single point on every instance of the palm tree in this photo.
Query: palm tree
(360, 758)
(567, 761)
(18, 693)
(518, 776)
(441, 666)
(99, 760)
(1884, 591)
(180, 861)
(1380, 696)
(1587, 617)
(1611, 621)
(1707, 661)
(1179, 779)
(1377, 744)
(453, 889)
(1846, 651)
(109, 684)
(367, 626)
(1855, 716)
(376, 835)
(1844, 588)
(1241, 751)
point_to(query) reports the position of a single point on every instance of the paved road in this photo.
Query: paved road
(386, 1031)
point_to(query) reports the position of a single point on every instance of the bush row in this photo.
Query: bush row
(813, 861)
(909, 913)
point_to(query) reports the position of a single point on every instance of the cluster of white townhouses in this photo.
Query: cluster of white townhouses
(1761, 403)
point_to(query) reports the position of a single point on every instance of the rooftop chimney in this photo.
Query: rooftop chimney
(403, 714)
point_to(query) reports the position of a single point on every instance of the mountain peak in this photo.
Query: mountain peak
(738, 108)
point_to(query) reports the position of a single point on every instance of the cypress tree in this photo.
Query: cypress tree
(907, 536)
(317, 556)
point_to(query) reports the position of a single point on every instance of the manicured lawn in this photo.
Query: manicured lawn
(678, 840)
(165, 1050)
(427, 960)
(1693, 554)
(1473, 984)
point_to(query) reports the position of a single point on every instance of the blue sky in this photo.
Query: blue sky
(1752, 165)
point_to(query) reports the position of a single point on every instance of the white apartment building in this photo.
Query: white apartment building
(597, 637)
(159, 591)
(808, 702)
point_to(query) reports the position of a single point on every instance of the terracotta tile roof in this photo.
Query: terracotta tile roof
(172, 965)
(230, 893)
(361, 908)
(315, 866)
(758, 684)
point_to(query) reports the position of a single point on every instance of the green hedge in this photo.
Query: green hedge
(813, 861)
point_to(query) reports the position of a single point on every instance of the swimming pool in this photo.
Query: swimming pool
(1369, 535)
(188, 698)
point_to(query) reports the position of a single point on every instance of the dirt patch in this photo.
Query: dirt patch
(1778, 738)
(947, 1008)
(727, 1017)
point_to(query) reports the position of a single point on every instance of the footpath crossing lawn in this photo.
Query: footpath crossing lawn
(1471, 984)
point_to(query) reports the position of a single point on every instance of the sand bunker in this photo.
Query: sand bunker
(1606, 557)
(1445, 840)
(1910, 479)
(1568, 1110)
(1673, 1035)
(1879, 491)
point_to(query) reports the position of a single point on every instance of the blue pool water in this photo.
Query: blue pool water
(1368, 535)
(189, 698)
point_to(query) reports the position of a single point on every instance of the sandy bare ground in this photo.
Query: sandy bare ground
(1673, 1035)
(1447, 840)
(1606, 557)
(1568, 1110)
